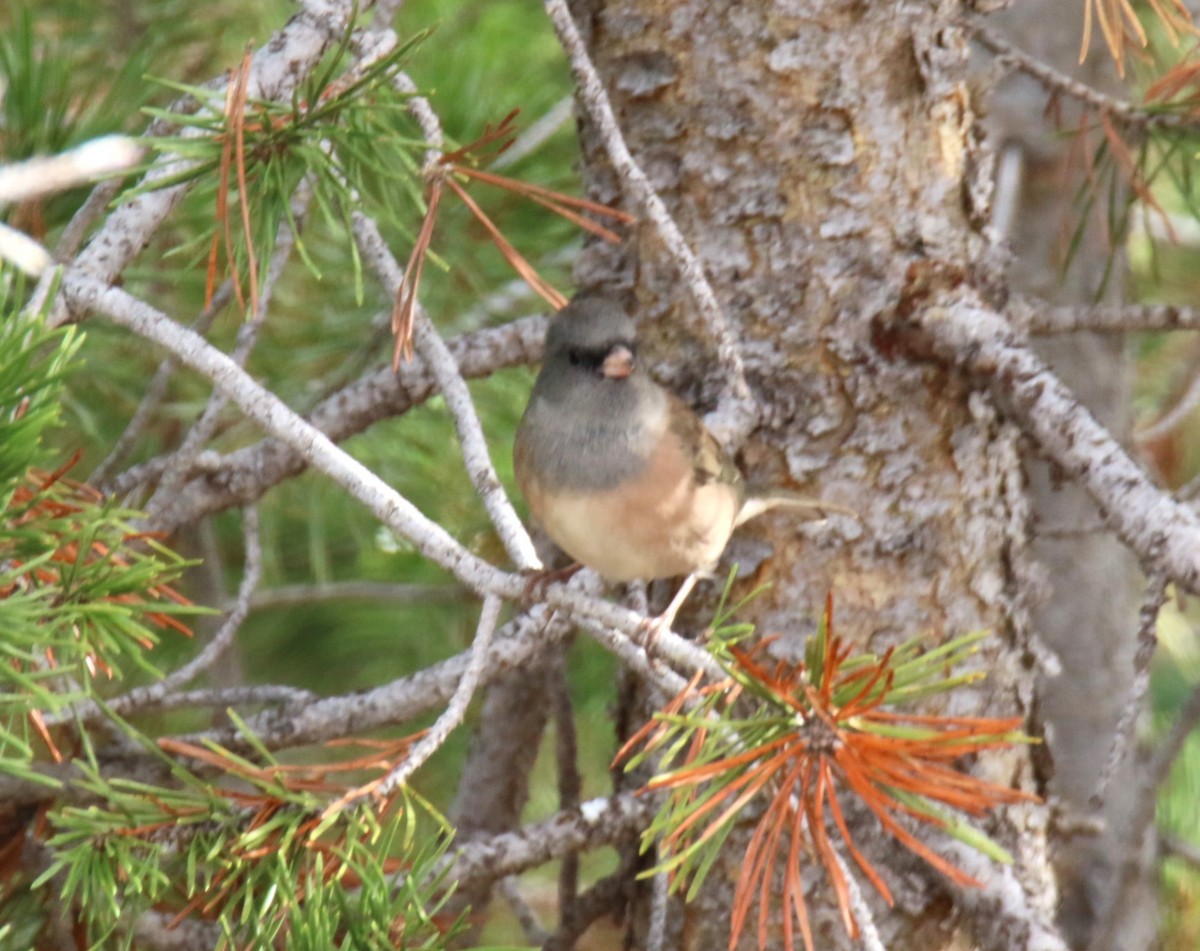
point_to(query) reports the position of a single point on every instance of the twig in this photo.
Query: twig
(454, 713)
(603, 897)
(222, 697)
(1045, 320)
(21, 251)
(1176, 414)
(660, 900)
(155, 392)
(566, 756)
(175, 475)
(1128, 113)
(244, 475)
(1163, 533)
(536, 134)
(298, 594)
(869, 933)
(1147, 641)
(531, 924)
(735, 418)
(1004, 912)
(596, 822)
(1142, 817)
(1178, 848)
(76, 229)
(39, 177)
(437, 357)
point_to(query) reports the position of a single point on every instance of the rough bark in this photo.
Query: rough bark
(813, 152)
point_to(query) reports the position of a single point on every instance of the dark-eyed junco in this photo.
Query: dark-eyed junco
(621, 473)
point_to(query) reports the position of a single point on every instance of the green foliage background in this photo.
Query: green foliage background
(79, 69)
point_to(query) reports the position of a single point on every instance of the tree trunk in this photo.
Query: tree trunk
(816, 155)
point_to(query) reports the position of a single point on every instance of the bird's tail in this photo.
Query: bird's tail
(807, 508)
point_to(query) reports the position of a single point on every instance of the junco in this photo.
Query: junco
(621, 473)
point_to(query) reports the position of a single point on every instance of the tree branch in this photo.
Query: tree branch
(38, 177)
(1055, 82)
(455, 710)
(453, 387)
(1045, 320)
(245, 475)
(1164, 534)
(596, 822)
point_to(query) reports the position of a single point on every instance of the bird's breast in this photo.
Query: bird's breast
(657, 522)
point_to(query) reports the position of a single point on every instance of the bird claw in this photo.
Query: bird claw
(538, 580)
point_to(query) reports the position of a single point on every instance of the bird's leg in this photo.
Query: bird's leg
(537, 581)
(656, 625)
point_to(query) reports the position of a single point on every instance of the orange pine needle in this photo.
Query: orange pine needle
(39, 724)
(850, 747)
(514, 257)
(406, 296)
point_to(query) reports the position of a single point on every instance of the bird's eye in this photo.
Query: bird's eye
(575, 357)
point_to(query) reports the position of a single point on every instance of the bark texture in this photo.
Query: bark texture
(815, 153)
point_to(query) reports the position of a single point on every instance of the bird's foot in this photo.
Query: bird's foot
(537, 581)
(653, 627)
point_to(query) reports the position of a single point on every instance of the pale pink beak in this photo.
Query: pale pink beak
(618, 364)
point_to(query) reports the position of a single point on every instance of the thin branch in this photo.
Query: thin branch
(250, 695)
(46, 175)
(1174, 847)
(438, 358)
(1053, 81)
(531, 924)
(221, 482)
(175, 475)
(93, 207)
(450, 718)
(301, 594)
(736, 417)
(1163, 533)
(869, 933)
(566, 757)
(1045, 320)
(1176, 414)
(1147, 641)
(1142, 817)
(23, 252)
(604, 897)
(596, 822)
(156, 391)
(660, 902)
(536, 134)
(1005, 908)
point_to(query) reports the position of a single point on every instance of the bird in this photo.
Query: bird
(619, 471)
